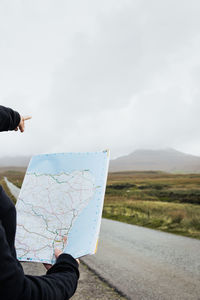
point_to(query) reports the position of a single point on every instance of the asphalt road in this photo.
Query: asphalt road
(147, 264)
(13, 188)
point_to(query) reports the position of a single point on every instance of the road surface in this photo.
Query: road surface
(147, 264)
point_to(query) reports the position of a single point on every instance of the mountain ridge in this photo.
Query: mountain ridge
(167, 160)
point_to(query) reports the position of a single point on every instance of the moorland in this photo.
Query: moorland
(158, 200)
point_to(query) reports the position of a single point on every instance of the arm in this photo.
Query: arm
(9, 119)
(60, 282)
(8, 219)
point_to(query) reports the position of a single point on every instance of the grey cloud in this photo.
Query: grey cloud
(98, 74)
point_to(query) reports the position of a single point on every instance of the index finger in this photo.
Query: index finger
(27, 118)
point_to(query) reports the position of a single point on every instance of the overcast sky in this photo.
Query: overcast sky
(117, 74)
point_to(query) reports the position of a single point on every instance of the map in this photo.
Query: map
(60, 205)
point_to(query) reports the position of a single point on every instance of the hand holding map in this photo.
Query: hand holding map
(62, 195)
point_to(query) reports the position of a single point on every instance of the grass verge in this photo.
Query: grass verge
(167, 202)
(136, 198)
(183, 219)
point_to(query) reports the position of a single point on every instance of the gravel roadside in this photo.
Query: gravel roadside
(90, 286)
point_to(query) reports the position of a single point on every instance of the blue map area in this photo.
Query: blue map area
(83, 236)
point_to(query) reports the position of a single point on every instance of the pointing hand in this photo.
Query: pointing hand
(21, 125)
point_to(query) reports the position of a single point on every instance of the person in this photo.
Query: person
(60, 281)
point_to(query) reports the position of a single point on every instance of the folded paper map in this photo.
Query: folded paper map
(61, 196)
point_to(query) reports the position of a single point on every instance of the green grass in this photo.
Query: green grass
(4, 185)
(157, 200)
(155, 186)
(15, 177)
(183, 219)
(167, 202)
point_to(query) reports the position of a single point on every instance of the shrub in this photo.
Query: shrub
(177, 216)
(121, 186)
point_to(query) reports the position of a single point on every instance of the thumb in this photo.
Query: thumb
(57, 252)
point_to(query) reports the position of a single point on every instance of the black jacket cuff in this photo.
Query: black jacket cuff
(64, 261)
(9, 119)
(14, 120)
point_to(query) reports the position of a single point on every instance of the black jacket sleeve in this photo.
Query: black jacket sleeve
(8, 219)
(9, 119)
(60, 282)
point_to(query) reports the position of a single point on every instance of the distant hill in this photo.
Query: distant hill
(18, 161)
(168, 160)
